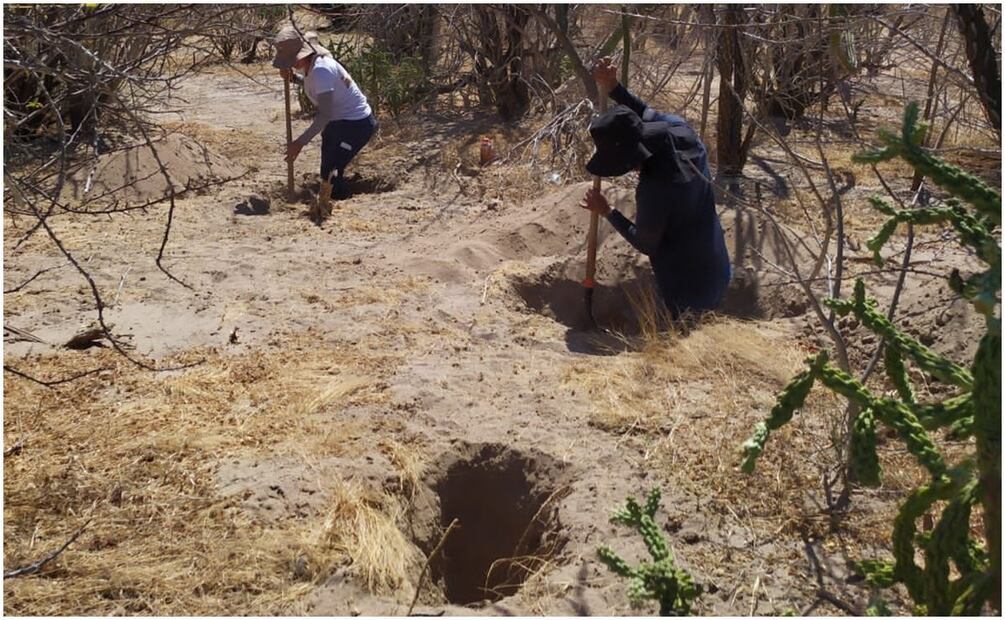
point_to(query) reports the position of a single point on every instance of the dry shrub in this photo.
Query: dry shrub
(695, 394)
(137, 452)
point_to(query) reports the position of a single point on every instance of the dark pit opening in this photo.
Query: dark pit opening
(563, 299)
(624, 306)
(506, 503)
(358, 184)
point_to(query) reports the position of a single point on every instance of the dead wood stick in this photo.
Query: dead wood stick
(29, 280)
(37, 566)
(289, 139)
(849, 609)
(15, 449)
(429, 560)
(53, 382)
(23, 334)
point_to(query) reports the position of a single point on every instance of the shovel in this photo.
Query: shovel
(591, 245)
(289, 139)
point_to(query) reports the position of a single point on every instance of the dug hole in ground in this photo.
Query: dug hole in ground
(420, 357)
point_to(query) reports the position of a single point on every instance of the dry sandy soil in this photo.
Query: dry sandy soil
(419, 357)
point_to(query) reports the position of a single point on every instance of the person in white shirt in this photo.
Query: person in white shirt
(344, 118)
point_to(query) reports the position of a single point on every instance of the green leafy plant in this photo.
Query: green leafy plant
(974, 411)
(660, 579)
(391, 82)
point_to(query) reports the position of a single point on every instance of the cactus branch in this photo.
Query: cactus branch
(974, 411)
(865, 311)
(660, 579)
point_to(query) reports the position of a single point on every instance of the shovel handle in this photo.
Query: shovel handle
(591, 245)
(289, 136)
(591, 236)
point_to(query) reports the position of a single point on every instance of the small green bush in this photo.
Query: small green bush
(391, 83)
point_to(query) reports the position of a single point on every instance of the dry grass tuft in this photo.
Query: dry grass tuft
(137, 452)
(361, 531)
(389, 295)
(409, 463)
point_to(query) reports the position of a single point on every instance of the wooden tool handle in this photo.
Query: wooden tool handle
(289, 136)
(591, 237)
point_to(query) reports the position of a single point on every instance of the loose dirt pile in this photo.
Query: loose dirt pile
(536, 253)
(133, 175)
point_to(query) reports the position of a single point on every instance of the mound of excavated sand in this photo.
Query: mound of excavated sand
(132, 175)
(543, 244)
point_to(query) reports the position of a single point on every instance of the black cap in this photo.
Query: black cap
(618, 134)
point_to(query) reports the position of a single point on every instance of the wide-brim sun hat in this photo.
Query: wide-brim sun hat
(618, 135)
(291, 46)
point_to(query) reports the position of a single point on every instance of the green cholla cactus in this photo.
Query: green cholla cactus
(658, 580)
(907, 145)
(975, 411)
(863, 448)
(865, 311)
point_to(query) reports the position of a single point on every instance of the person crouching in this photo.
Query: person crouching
(343, 118)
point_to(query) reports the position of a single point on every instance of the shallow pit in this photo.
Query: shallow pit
(506, 503)
(625, 301)
(306, 189)
(563, 299)
(359, 184)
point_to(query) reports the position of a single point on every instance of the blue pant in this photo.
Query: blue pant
(340, 142)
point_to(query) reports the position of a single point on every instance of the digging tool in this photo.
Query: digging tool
(591, 243)
(289, 138)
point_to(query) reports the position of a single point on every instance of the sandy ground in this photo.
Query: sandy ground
(450, 313)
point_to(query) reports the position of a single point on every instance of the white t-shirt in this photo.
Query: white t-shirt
(329, 75)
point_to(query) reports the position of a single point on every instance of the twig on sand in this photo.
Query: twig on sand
(485, 289)
(15, 449)
(753, 596)
(429, 560)
(29, 280)
(23, 335)
(53, 382)
(457, 177)
(122, 282)
(37, 566)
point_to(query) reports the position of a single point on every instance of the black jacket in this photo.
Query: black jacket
(676, 225)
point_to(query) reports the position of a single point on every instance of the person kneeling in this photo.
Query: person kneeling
(676, 223)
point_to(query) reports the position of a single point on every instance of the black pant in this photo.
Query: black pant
(340, 142)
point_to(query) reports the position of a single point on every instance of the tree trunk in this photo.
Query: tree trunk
(730, 150)
(983, 65)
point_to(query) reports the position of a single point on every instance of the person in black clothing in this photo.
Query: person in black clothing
(676, 225)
